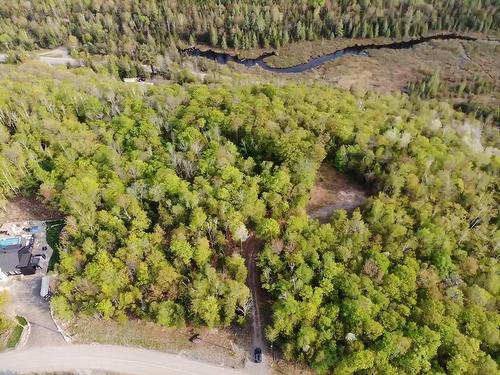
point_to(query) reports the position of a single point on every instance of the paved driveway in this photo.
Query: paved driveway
(26, 301)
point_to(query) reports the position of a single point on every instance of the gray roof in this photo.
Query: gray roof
(9, 260)
(24, 256)
(12, 259)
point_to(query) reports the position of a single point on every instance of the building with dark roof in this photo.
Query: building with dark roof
(17, 258)
(25, 264)
(9, 260)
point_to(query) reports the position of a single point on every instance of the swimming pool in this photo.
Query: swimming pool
(4, 242)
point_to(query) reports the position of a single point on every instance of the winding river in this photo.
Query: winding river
(357, 50)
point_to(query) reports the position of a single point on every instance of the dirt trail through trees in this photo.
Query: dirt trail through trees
(333, 191)
(252, 247)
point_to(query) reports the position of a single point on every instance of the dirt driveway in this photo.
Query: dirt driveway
(26, 301)
(252, 247)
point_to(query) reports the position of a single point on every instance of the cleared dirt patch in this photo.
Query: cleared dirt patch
(21, 209)
(216, 346)
(334, 191)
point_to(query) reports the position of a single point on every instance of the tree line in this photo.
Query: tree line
(162, 184)
(143, 29)
(465, 93)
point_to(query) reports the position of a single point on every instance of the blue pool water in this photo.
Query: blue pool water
(4, 242)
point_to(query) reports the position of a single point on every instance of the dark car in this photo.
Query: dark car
(257, 355)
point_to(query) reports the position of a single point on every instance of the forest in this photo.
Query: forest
(433, 86)
(162, 184)
(143, 29)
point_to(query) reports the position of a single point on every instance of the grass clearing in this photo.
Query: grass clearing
(16, 332)
(54, 229)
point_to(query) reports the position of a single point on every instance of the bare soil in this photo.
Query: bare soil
(291, 368)
(251, 249)
(216, 346)
(21, 209)
(60, 52)
(334, 191)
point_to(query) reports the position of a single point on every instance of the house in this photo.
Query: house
(25, 265)
(9, 260)
(15, 252)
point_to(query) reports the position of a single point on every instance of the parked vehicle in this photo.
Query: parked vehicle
(44, 288)
(257, 355)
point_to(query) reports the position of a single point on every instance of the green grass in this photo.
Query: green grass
(16, 333)
(53, 235)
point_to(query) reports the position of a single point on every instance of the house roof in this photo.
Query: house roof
(12, 259)
(9, 260)
(24, 256)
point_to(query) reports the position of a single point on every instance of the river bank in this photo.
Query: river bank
(361, 49)
(383, 70)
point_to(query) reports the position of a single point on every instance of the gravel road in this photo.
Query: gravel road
(57, 56)
(116, 359)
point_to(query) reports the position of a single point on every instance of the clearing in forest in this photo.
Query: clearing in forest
(21, 209)
(333, 191)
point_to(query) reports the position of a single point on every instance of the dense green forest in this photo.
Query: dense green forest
(409, 284)
(161, 184)
(144, 28)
